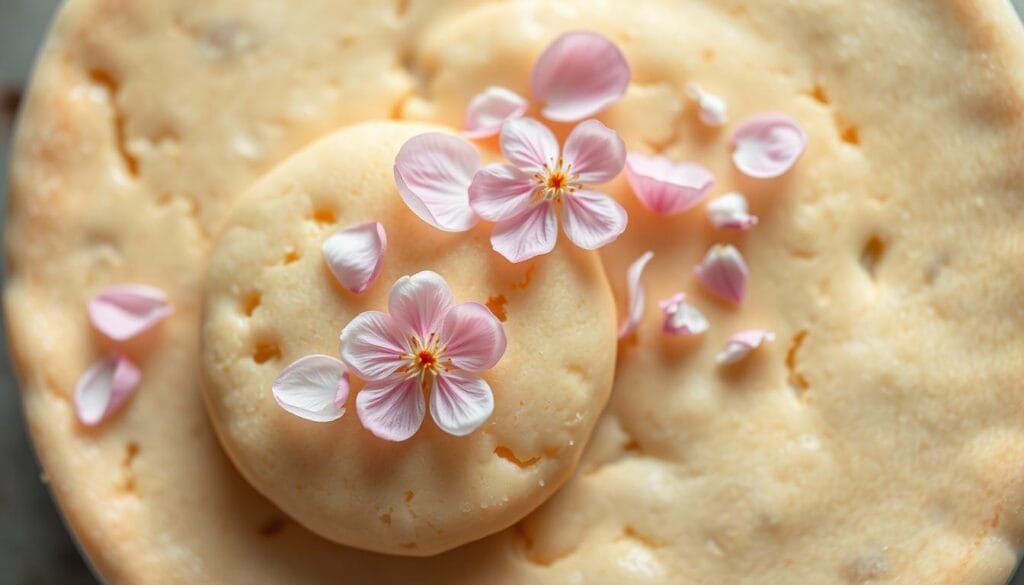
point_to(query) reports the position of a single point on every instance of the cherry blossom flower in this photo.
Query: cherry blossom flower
(742, 344)
(522, 197)
(355, 255)
(578, 75)
(730, 211)
(433, 172)
(314, 387)
(724, 272)
(767, 145)
(124, 311)
(104, 387)
(426, 344)
(682, 318)
(666, 187)
(490, 109)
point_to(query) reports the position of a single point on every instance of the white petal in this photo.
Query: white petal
(490, 109)
(730, 211)
(529, 145)
(433, 172)
(711, 109)
(421, 302)
(460, 402)
(472, 337)
(104, 387)
(767, 145)
(667, 187)
(741, 344)
(724, 272)
(314, 387)
(393, 409)
(682, 318)
(124, 311)
(635, 290)
(355, 255)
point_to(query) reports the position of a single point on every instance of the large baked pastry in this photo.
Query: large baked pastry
(836, 399)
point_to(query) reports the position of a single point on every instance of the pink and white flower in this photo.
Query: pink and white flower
(491, 108)
(682, 318)
(767, 145)
(667, 187)
(742, 344)
(433, 172)
(578, 75)
(523, 197)
(426, 344)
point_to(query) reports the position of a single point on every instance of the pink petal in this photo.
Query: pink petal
(528, 144)
(372, 345)
(501, 192)
(596, 152)
(104, 387)
(314, 387)
(711, 109)
(356, 254)
(473, 338)
(635, 289)
(421, 302)
(490, 109)
(667, 187)
(460, 402)
(579, 75)
(591, 219)
(741, 344)
(527, 235)
(433, 172)
(124, 311)
(730, 212)
(392, 409)
(682, 318)
(724, 272)
(767, 145)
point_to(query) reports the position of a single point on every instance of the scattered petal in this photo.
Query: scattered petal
(592, 220)
(682, 318)
(667, 187)
(635, 289)
(356, 254)
(724, 272)
(528, 145)
(433, 172)
(473, 338)
(741, 344)
(420, 302)
(578, 75)
(124, 311)
(730, 211)
(526, 236)
(104, 387)
(392, 409)
(490, 109)
(372, 345)
(460, 402)
(501, 192)
(594, 152)
(314, 387)
(767, 145)
(711, 109)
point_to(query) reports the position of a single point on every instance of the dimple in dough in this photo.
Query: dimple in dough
(270, 299)
(879, 440)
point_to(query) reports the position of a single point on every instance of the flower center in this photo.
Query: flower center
(555, 181)
(424, 358)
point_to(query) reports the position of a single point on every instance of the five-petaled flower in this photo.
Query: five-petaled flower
(524, 196)
(426, 344)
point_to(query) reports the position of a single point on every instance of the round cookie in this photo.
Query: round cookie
(894, 243)
(271, 299)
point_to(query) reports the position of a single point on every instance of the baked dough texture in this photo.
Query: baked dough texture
(880, 439)
(270, 299)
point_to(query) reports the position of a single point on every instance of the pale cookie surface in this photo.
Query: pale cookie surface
(879, 440)
(270, 299)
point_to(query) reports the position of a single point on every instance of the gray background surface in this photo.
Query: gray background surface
(35, 548)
